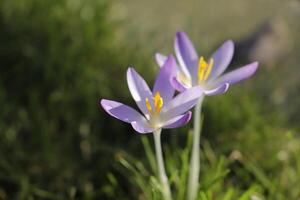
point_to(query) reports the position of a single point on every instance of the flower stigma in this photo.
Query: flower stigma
(204, 69)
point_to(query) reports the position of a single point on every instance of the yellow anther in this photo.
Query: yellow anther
(148, 105)
(201, 68)
(204, 69)
(158, 102)
(209, 68)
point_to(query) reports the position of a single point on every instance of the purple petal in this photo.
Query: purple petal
(121, 111)
(222, 58)
(163, 80)
(138, 89)
(178, 85)
(182, 103)
(218, 90)
(179, 120)
(160, 59)
(142, 127)
(239, 74)
(186, 54)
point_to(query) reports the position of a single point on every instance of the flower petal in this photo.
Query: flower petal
(182, 103)
(126, 114)
(142, 127)
(163, 80)
(138, 89)
(222, 57)
(186, 54)
(160, 59)
(178, 121)
(220, 89)
(178, 85)
(239, 74)
(121, 111)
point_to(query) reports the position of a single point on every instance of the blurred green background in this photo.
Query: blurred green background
(60, 57)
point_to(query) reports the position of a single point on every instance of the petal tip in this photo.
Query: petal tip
(157, 56)
(178, 33)
(130, 74)
(107, 105)
(170, 61)
(226, 87)
(129, 70)
(255, 63)
(229, 44)
(253, 66)
(189, 116)
(186, 118)
(221, 89)
(104, 104)
(160, 59)
(181, 35)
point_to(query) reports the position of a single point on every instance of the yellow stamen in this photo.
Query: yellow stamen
(158, 102)
(204, 69)
(201, 68)
(148, 105)
(209, 67)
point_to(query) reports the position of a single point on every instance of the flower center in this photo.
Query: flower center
(204, 69)
(158, 104)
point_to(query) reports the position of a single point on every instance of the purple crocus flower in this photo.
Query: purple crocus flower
(159, 108)
(194, 71)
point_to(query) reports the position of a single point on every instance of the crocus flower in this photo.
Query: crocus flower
(192, 70)
(159, 108)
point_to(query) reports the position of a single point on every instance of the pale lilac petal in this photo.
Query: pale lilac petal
(127, 114)
(160, 59)
(138, 89)
(186, 54)
(178, 121)
(220, 89)
(142, 127)
(178, 85)
(121, 111)
(239, 74)
(163, 80)
(182, 103)
(222, 58)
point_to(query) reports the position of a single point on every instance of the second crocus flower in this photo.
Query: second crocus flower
(193, 70)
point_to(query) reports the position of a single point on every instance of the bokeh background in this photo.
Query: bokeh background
(58, 58)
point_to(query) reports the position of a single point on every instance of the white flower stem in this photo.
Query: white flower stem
(193, 181)
(161, 168)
